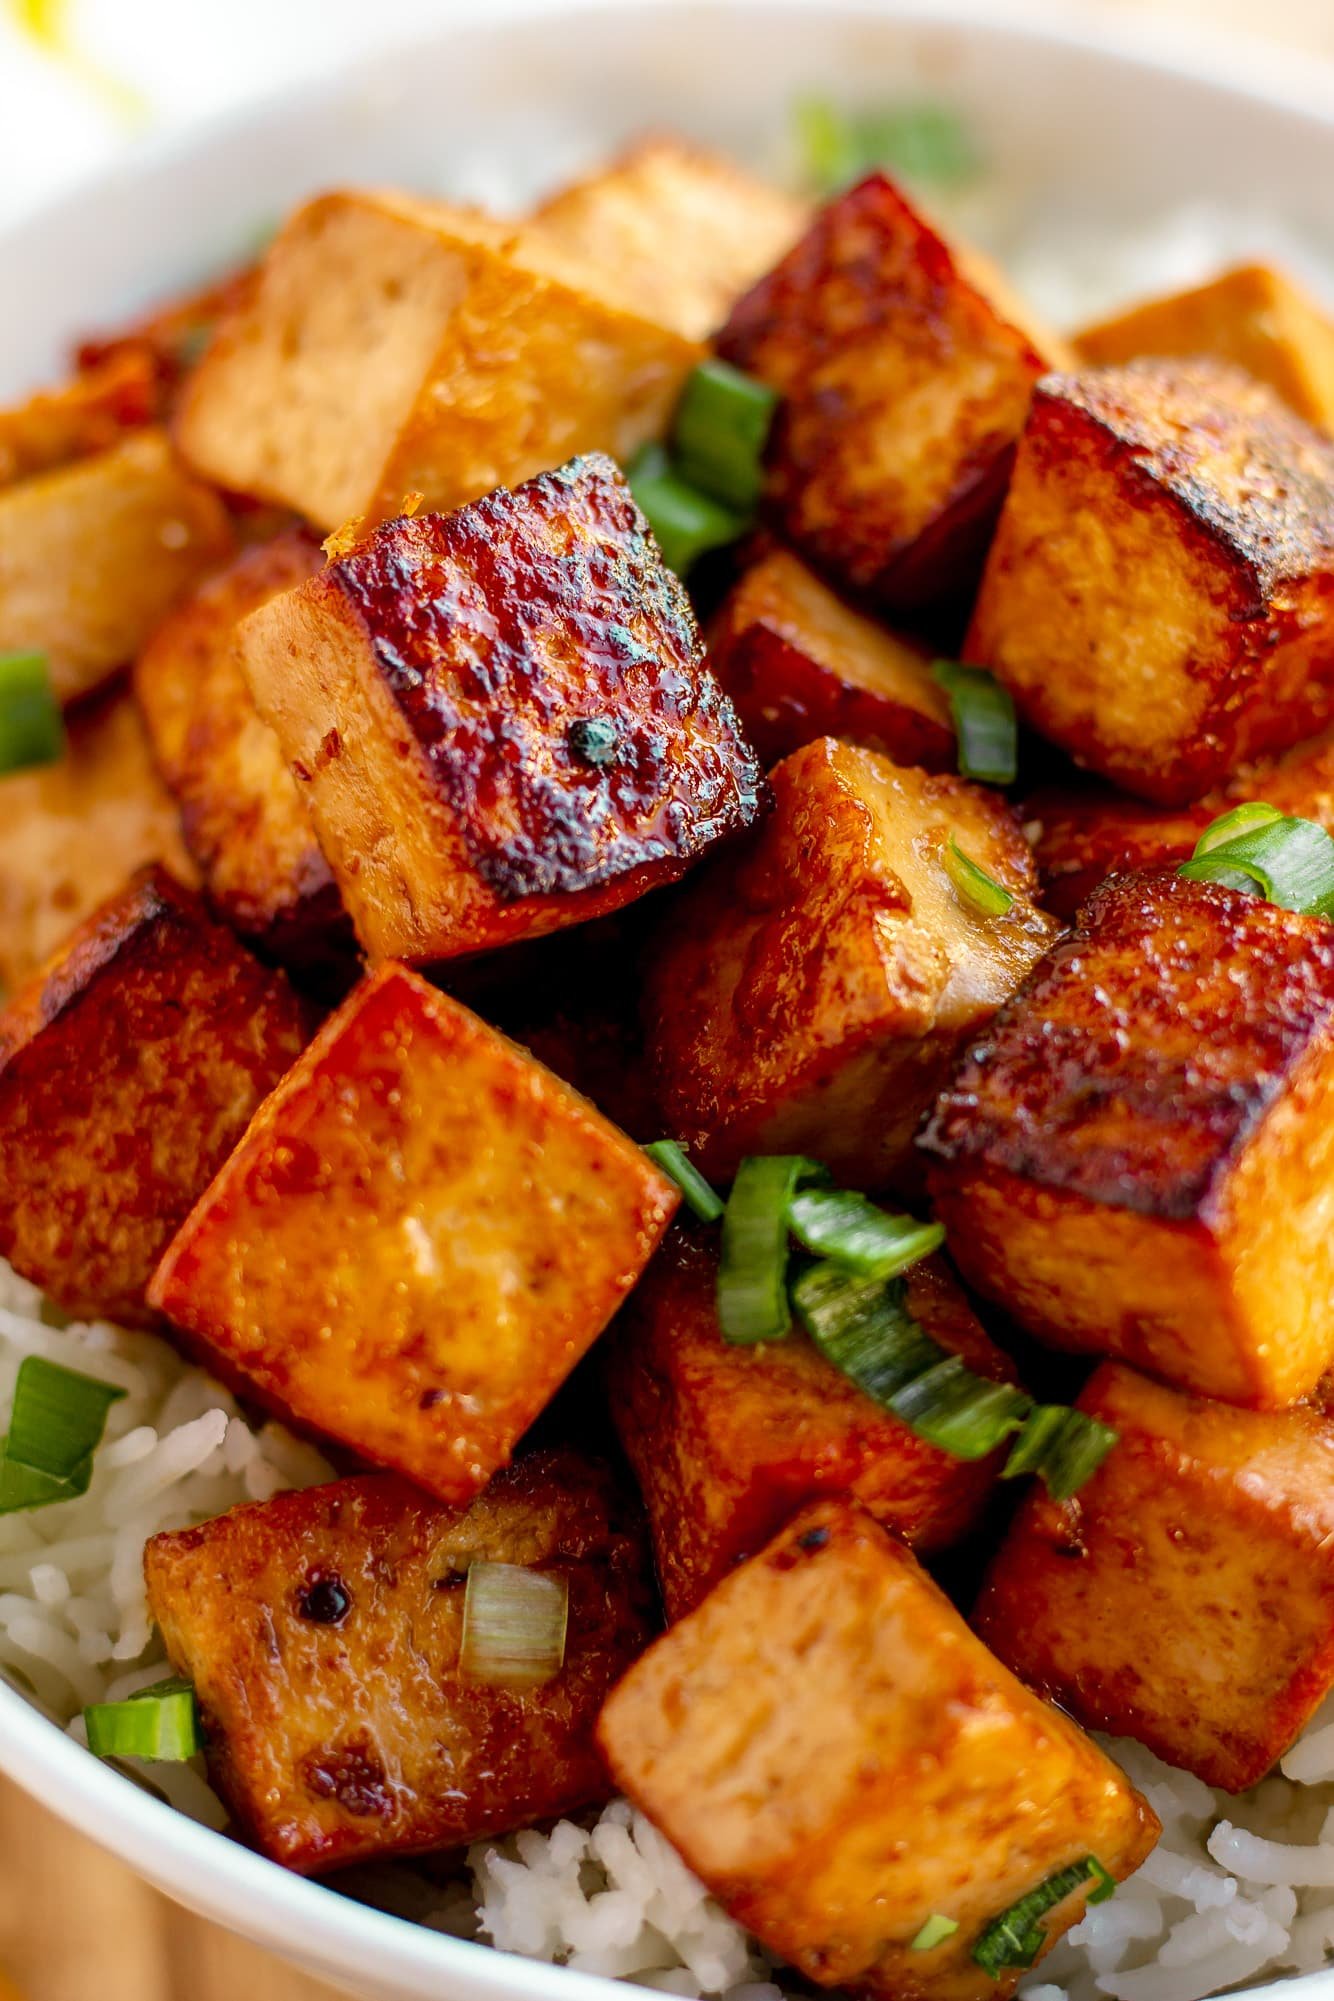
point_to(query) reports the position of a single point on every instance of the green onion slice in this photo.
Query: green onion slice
(984, 722)
(1241, 820)
(696, 1193)
(973, 885)
(161, 1722)
(514, 1623)
(1288, 862)
(864, 1328)
(961, 1412)
(1016, 1938)
(55, 1427)
(852, 1232)
(722, 426)
(686, 522)
(933, 1933)
(32, 730)
(1065, 1447)
(752, 1275)
(919, 138)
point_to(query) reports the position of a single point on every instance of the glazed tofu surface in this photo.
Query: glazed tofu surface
(322, 1633)
(839, 1759)
(1136, 1161)
(76, 419)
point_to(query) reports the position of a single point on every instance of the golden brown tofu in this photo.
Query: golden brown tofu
(439, 692)
(1185, 1596)
(129, 1066)
(839, 1760)
(1136, 1161)
(73, 832)
(799, 664)
(392, 346)
(1253, 317)
(673, 231)
(728, 1442)
(419, 1236)
(242, 812)
(811, 992)
(88, 414)
(905, 387)
(322, 1633)
(1159, 598)
(93, 554)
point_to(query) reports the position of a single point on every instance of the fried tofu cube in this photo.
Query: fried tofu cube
(88, 414)
(129, 1067)
(322, 1633)
(502, 719)
(419, 1236)
(1159, 598)
(728, 1442)
(73, 832)
(839, 1760)
(1136, 1161)
(93, 554)
(1254, 317)
(799, 664)
(811, 991)
(1185, 1597)
(391, 346)
(905, 384)
(242, 812)
(675, 231)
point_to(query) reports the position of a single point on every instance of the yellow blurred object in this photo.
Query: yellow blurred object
(46, 22)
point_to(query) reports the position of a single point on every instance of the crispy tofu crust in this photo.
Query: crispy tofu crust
(799, 664)
(321, 1631)
(88, 414)
(1135, 1161)
(1185, 1597)
(905, 388)
(1159, 597)
(428, 688)
(811, 991)
(727, 1442)
(417, 1239)
(838, 1758)
(129, 1066)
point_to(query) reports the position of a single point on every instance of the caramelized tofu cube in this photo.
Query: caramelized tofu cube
(1185, 1597)
(798, 664)
(1253, 317)
(391, 346)
(1136, 1162)
(88, 414)
(93, 554)
(129, 1067)
(676, 232)
(812, 990)
(417, 1239)
(502, 718)
(728, 1442)
(322, 1633)
(242, 812)
(839, 1760)
(1159, 598)
(905, 383)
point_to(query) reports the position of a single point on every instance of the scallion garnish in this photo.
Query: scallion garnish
(55, 1426)
(933, 1933)
(1016, 1938)
(696, 1193)
(963, 1413)
(1262, 852)
(32, 730)
(922, 140)
(850, 1231)
(720, 432)
(752, 1274)
(514, 1623)
(686, 522)
(984, 722)
(976, 888)
(1066, 1447)
(161, 1723)
(864, 1328)
(1242, 819)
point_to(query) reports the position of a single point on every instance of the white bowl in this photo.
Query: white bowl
(1080, 121)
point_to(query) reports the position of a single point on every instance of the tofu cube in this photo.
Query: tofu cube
(417, 1239)
(799, 664)
(728, 1442)
(1136, 1161)
(438, 693)
(905, 383)
(839, 1760)
(129, 1067)
(1185, 1597)
(1159, 598)
(391, 346)
(812, 990)
(90, 413)
(243, 814)
(672, 231)
(1254, 317)
(322, 1633)
(93, 554)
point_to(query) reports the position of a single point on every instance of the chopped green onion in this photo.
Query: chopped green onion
(695, 1190)
(55, 1427)
(1288, 862)
(963, 1413)
(1241, 820)
(1016, 1938)
(976, 888)
(923, 140)
(32, 730)
(160, 1722)
(686, 522)
(852, 1232)
(514, 1623)
(933, 1933)
(595, 739)
(752, 1275)
(865, 1329)
(984, 722)
(721, 429)
(1064, 1446)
